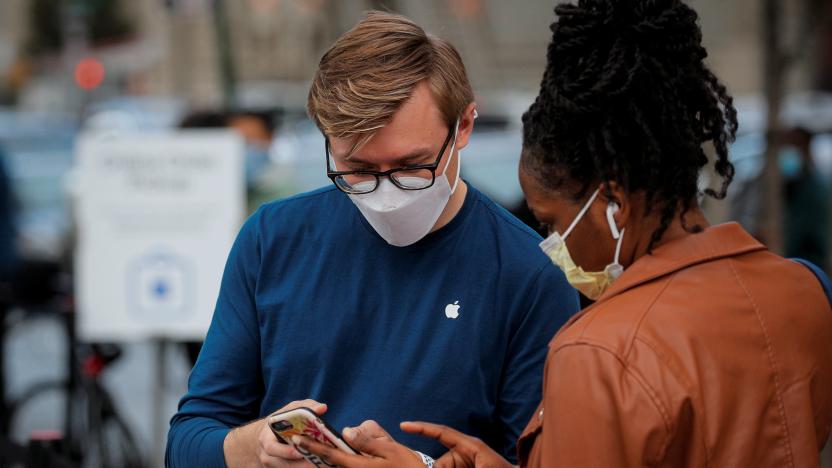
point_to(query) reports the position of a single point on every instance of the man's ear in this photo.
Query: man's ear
(466, 125)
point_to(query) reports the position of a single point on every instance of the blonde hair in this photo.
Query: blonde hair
(370, 71)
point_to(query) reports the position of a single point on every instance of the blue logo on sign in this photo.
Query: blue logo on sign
(160, 289)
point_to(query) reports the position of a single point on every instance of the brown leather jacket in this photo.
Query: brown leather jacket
(712, 351)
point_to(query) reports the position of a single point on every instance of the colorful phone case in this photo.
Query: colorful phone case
(304, 422)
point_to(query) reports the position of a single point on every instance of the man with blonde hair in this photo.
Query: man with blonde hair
(398, 291)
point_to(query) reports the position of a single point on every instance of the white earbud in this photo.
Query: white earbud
(612, 209)
(476, 114)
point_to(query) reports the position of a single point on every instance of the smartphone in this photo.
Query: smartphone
(305, 423)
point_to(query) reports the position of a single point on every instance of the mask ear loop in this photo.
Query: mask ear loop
(450, 156)
(581, 213)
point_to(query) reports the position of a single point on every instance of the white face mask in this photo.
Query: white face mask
(403, 217)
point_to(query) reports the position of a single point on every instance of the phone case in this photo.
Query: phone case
(304, 422)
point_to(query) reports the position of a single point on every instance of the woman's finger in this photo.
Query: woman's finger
(358, 437)
(370, 440)
(448, 437)
(465, 451)
(454, 459)
(372, 429)
(330, 454)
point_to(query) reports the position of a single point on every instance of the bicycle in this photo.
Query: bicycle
(94, 432)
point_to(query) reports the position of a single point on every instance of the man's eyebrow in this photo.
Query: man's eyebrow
(402, 160)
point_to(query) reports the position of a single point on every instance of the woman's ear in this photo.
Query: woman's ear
(466, 125)
(619, 204)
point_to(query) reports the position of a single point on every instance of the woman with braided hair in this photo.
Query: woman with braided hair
(702, 348)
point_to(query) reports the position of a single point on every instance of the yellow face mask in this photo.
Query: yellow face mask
(590, 283)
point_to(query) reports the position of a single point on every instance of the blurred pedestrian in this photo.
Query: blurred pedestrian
(255, 127)
(805, 201)
(8, 247)
(257, 131)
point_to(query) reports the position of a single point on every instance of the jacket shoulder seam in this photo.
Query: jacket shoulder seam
(772, 362)
(663, 358)
(610, 303)
(651, 393)
(631, 340)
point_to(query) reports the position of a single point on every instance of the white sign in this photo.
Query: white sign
(157, 215)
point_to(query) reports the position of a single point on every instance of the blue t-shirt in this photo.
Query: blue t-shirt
(315, 304)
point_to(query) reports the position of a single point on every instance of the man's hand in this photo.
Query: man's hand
(464, 451)
(378, 448)
(254, 445)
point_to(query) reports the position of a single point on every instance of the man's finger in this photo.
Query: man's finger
(273, 448)
(448, 437)
(317, 407)
(331, 454)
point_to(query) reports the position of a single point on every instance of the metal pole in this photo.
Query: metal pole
(225, 53)
(160, 424)
(74, 19)
(773, 68)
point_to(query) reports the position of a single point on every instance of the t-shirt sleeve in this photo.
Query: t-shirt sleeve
(599, 412)
(546, 304)
(225, 386)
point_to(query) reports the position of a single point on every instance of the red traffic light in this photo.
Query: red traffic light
(89, 73)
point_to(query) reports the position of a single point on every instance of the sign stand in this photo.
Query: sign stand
(160, 421)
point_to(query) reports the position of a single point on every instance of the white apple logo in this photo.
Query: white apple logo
(452, 310)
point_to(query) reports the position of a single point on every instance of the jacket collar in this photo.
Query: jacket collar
(715, 242)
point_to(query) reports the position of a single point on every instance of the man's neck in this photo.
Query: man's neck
(453, 206)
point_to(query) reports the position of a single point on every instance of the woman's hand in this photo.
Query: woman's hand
(381, 451)
(378, 448)
(464, 451)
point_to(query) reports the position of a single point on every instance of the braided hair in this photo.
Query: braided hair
(626, 97)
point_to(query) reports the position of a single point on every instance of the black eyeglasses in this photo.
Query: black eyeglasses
(416, 177)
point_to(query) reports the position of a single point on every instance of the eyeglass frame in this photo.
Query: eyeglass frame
(379, 174)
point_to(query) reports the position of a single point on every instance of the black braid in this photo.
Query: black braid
(626, 97)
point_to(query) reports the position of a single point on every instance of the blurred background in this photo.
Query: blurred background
(150, 70)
